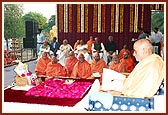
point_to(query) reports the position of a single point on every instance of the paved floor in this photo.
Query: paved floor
(9, 73)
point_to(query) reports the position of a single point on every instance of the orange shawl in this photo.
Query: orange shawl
(98, 66)
(42, 65)
(81, 70)
(54, 70)
(69, 64)
(129, 64)
(89, 43)
(119, 67)
(122, 52)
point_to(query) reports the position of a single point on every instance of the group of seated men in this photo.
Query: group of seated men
(143, 80)
(83, 61)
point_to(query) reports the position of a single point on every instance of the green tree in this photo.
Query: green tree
(158, 20)
(51, 21)
(50, 24)
(13, 22)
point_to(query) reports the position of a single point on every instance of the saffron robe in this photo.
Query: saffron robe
(42, 65)
(129, 64)
(54, 70)
(89, 43)
(119, 67)
(122, 52)
(75, 45)
(145, 79)
(98, 66)
(81, 70)
(69, 64)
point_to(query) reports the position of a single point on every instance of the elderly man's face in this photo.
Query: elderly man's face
(81, 58)
(65, 42)
(115, 59)
(71, 54)
(138, 52)
(125, 55)
(97, 57)
(54, 59)
(44, 55)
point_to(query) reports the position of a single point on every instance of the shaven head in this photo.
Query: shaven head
(54, 59)
(81, 57)
(71, 54)
(44, 55)
(97, 57)
(115, 58)
(126, 55)
(65, 41)
(142, 49)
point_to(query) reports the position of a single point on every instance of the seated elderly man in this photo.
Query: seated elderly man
(121, 53)
(81, 69)
(42, 64)
(98, 64)
(127, 61)
(63, 52)
(89, 43)
(146, 77)
(116, 65)
(83, 48)
(45, 47)
(111, 47)
(70, 62)
(148, 74)
(54, 68)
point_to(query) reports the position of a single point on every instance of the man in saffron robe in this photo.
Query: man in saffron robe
(98, 64)
(89, 43)
(81, 69)
(70, 62)
(128, 61)
(42, 64)
(54, 68)
(116, 65)
(123, 50)
(145, 79)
